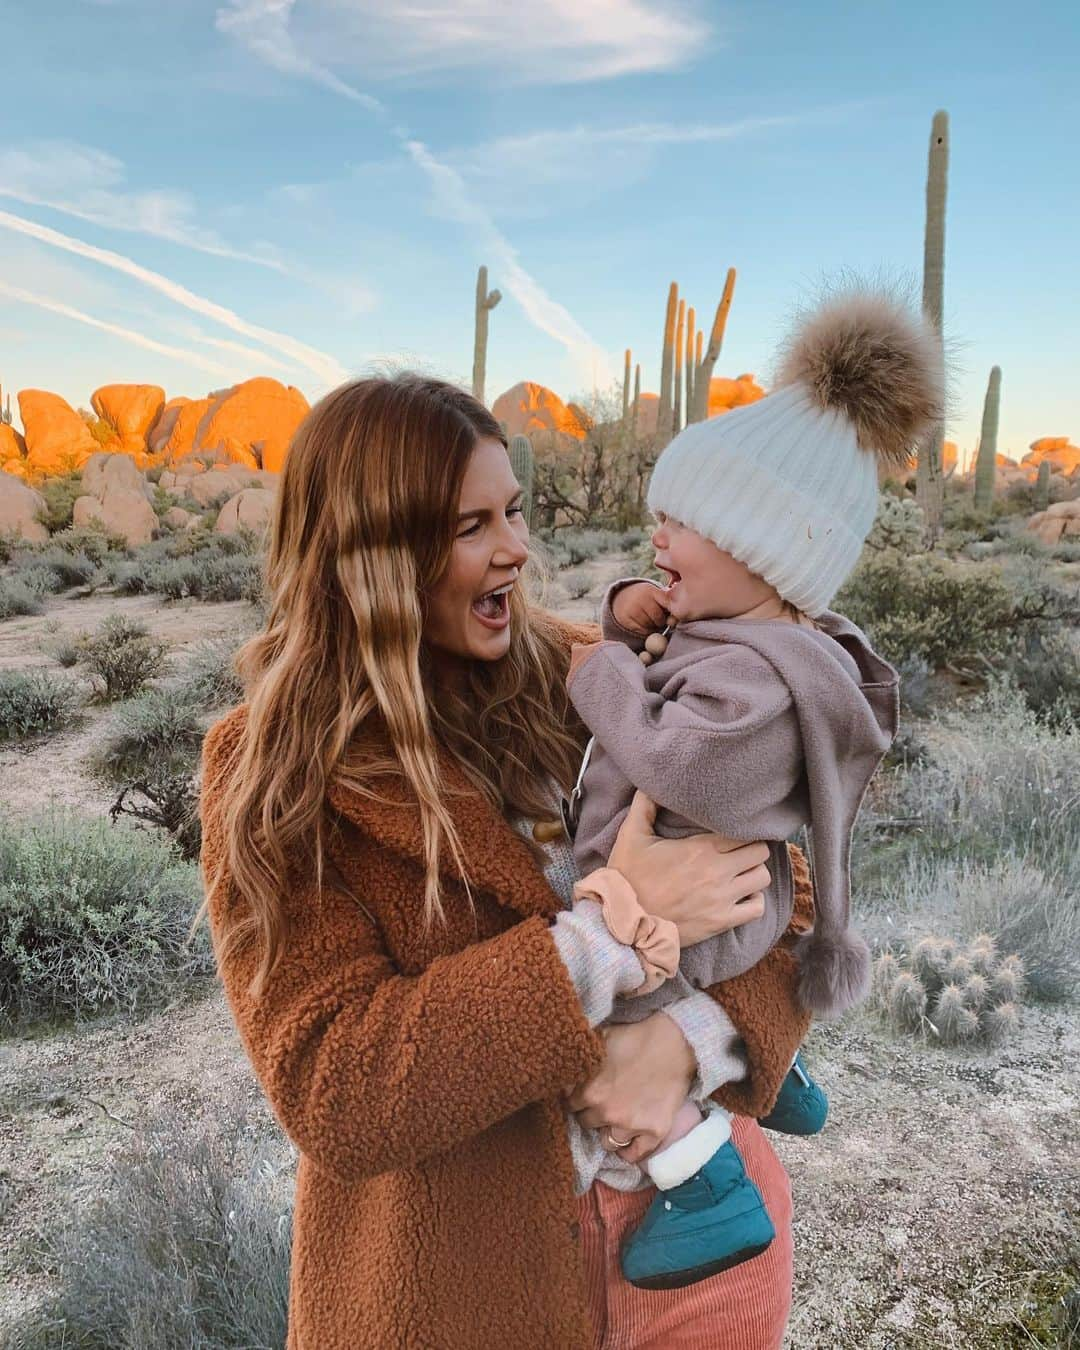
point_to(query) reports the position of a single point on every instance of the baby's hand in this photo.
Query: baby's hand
(640, 608)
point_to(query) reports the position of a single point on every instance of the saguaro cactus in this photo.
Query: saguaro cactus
(485, 302)
(986, 464)
(523, 465)
(636, 411)
(929, 483)
(1042, 486)
(5, 411)
(704, 370)
(691, 321)
(626, 391)
(676, 401)
(663, 412)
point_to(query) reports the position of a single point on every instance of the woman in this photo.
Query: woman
(408, 986)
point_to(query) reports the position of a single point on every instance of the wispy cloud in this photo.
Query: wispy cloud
(264, 26)
(545, 42)
(326, 367)
(453, 200)
(128, 334)
(90, 184)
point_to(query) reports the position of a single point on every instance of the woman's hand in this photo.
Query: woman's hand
(643, 1082)
(705, 884)
(641, 608)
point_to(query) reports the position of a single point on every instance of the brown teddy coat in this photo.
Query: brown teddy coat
(419, 1073)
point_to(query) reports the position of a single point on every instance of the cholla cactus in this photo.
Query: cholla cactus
(899, 524)
(959, 996)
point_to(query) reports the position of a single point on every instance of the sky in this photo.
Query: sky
(199, 191)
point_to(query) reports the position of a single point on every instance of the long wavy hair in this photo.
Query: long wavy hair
(363, 526)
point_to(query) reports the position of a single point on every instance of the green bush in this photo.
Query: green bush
(209, 678)
(185, 1244)
(35, 701)
(22, 595)
(123, 656)
(1046, 670)
(899, 524)
(92, 918)
(95, 544)
(59, 493)
(157, 732)
(195, 564)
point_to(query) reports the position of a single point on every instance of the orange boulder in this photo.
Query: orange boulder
(529, 409)
(1063, 456)
(131, 410)
(181, 438)
(158, 435)
(58, 441)
(12, 445)
(725, 394)
(252, 423)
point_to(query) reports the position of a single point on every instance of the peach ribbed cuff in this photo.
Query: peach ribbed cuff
(655, 941)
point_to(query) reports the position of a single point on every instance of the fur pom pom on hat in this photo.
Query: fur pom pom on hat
(789, 485)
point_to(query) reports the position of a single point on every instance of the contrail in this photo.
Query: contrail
(129, 334)
(326, 367)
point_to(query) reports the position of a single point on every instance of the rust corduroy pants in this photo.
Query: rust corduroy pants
(745, 1308)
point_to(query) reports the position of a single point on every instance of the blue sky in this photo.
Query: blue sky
(199, 191)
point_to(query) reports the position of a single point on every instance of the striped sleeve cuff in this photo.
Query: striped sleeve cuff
(712, 1036)
(600, 966)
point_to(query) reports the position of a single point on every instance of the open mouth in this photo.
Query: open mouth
(672, 575)
(493, 607)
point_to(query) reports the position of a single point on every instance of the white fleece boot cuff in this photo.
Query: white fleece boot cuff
(679, 1161)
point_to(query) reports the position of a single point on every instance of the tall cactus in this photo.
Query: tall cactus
(485, 302)
(677, 387)
(704, 370)
(667, 363)
(929, 483)
(636, 410)
(5, 412)
(1042, 486)
(523, 465)
(691, 321)
(626, 392)
(986, 464)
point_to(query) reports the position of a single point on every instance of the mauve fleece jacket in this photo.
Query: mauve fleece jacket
(420, 1072)
(751, 728)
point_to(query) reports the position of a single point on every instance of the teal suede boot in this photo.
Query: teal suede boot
(704, 1225)
(801, 1107)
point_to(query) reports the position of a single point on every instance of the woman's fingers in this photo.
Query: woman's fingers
(641, 817)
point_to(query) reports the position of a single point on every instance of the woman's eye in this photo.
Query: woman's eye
(472, 529)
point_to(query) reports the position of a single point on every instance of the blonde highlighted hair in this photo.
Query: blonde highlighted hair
(364, 524)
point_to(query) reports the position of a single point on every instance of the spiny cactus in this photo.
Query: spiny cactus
(523, 464)
(626, 391)
(986, 464)
(485, 302)
(691, 338)
(677, 387)
(959, 996)
(1042, 486)
(704, 369)
(929, 484)
(667, 367)
(636, 407)
(5, 411)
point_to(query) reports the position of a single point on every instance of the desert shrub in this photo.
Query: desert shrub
(209, 678)
(194, 564)
(577, 584)
(21, 595)
(92, 918)
(35, 701)
(571, 548)
(153, 733)
(1046, 669)
(97, 544)
(186, 1244)
(122, 656)
(995, 782)
(59, 493)
(941, 611)
(63, 567)
(959, 994)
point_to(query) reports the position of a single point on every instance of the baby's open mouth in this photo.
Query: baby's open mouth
(493, 607)
(672, 575)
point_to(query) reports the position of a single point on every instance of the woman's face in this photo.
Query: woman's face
(468, 608)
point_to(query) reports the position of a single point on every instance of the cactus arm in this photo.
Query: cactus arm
(703, 374)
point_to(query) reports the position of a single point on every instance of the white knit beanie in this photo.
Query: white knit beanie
(788, 485)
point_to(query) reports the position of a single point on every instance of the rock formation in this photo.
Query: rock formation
(725, 394)
(531, 410)
(1064, 457)
(58, 441)
(19, 505)
(252, 423)
(250, 508)
(12, 451)
(116, 494)
(131, 410)
(1057, 522)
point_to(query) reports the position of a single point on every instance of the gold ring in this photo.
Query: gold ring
(619, 1143)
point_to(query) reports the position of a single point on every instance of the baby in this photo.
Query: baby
(764, 712)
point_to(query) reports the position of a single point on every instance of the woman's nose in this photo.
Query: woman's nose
(512, 550)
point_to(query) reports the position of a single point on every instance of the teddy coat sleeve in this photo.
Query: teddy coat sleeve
(369, 1070)
(723, 749)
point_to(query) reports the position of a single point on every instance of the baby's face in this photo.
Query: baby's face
(705, 582)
